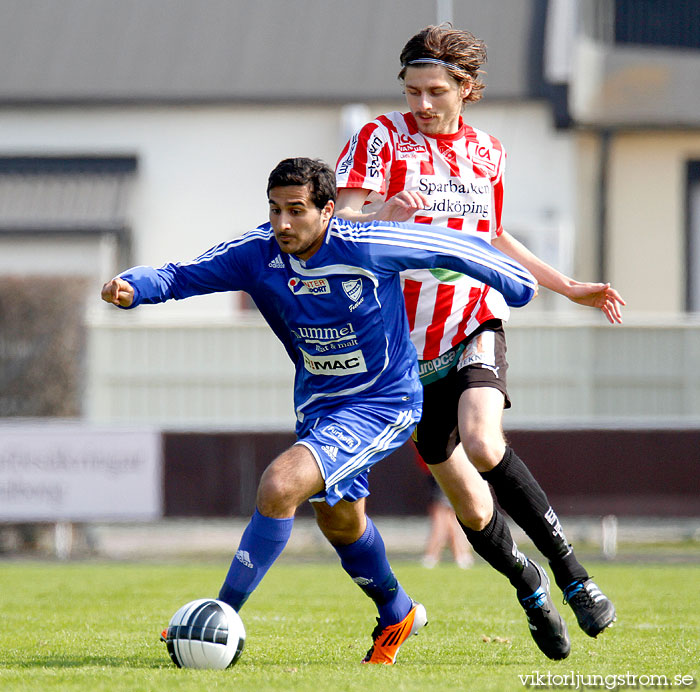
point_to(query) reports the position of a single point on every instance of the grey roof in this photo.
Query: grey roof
(64, 194)
(120, 51)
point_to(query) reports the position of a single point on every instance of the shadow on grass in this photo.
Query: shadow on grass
(131, 662)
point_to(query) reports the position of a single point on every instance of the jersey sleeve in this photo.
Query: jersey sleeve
(222, 268)
(365, 160)
(497, 182)
(397, 247)
(497, 185)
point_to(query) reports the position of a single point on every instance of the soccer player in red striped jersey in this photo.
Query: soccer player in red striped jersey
(427, 165)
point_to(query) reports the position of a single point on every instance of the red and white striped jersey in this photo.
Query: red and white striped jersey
(461, 174)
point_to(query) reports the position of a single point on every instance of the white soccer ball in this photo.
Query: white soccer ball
(205, 633)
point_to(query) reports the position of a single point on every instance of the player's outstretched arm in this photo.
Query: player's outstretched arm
(118, 292)
(400, 207)
(595, 295)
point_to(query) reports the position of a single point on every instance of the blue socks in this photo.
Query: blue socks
(261, 544)
(366, 562)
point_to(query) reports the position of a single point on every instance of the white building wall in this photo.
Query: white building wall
(203, 171)
(201, 179)
(647, 217)
(201, 376)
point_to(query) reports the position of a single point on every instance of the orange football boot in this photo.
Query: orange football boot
(388, 640)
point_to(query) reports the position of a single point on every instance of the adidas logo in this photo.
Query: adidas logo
(362, 581)
(331, 451)
(243, 556)
(277, 263)
(594, 592)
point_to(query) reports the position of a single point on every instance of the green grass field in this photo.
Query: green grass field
(94, 626)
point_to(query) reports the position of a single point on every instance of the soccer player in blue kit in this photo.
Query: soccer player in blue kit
(330, 291)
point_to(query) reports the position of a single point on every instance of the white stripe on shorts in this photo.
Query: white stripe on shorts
(380, 444)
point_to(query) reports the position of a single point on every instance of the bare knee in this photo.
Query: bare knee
(339, 533)
(475, 516)
(471, 500)
(274, 498)
(342, 524)
(484, 452)
(480, 429)
(467, 491)
(289, 480)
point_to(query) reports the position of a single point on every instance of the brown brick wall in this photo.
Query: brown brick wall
(584, 472)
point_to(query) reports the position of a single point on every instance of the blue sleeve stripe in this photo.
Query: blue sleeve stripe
(485, 260)
(222, 248)
(425, 240)
(398, 235)
(464, 246)
(441, 243)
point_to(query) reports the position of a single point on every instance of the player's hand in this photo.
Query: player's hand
(402, 207)
(601, 296)
(118, 292)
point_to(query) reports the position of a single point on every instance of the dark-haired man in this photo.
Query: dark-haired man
(330, 291)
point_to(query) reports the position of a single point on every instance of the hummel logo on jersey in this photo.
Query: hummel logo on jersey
(243, 556)
(331, 451)
(277, 263)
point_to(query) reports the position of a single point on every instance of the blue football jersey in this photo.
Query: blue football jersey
(340, 314)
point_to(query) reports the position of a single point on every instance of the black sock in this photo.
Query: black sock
(519, 493)
(496, 545)
(567, 569)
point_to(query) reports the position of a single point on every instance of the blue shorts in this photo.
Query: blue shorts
(348, 442)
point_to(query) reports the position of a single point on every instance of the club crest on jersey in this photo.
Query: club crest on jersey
(353, 289)
(484, 157)
(308, 286)
(407, 148)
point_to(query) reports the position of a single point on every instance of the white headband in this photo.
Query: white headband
(433, 61)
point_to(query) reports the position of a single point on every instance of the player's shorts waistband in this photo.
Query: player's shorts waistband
(436, 368)
(432, 370)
